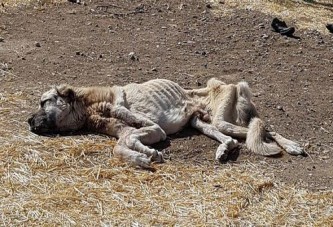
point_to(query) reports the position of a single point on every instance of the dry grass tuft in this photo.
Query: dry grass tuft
(309, 14)
(24, 3)
(75, 181)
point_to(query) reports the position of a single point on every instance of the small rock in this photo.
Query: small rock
(133, 57)
(75, 1)
(37, 44)
(261, 25)
(265, 36)
(280, 108)
(208, 6)
(2, 39)
(154, 69)
(71, 11)
(201, 52)
(73, 77)
(324, 157)
(77, 52)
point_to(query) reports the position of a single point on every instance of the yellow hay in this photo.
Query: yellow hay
(74, 180)
(15, 3)
(313, 15)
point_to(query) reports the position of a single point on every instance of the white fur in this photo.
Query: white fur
(144, 114)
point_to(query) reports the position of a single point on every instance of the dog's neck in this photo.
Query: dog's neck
(92, 95)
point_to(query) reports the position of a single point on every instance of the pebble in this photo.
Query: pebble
(2, 39)
(133, 57)
(265, 36)
(71, 12)
(280, 108)
(37, 44)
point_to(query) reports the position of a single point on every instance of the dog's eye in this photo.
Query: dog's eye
(42, 103)
(60, 102)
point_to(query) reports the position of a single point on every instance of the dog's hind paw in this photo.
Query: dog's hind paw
(294, 149)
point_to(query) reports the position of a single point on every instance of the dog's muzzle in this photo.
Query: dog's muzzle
(40, 123)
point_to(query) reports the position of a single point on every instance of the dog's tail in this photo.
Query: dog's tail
(256, 138)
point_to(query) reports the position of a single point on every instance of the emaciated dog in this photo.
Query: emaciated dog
(140, 115)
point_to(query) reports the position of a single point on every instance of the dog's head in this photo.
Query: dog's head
(59, 111)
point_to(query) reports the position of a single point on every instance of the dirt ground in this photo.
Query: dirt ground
(89, 44)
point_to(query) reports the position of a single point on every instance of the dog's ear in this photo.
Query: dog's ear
(66, 91)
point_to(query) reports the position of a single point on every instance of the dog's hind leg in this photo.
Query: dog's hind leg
(231, 129)
(233, 109)
(289, 146)
(227, 143)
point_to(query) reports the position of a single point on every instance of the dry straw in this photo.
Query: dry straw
(38, 4)
(75, 181)
(309, 14)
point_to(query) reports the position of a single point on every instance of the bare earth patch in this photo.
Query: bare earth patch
(74, 179)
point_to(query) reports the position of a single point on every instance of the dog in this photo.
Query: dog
(140, 115)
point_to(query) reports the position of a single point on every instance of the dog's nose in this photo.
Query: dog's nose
(32, 123)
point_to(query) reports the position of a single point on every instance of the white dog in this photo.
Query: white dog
(144, 114)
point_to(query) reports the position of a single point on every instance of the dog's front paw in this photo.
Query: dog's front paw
(143, 161)
(232, 144)
(157, 157)
(222, 152)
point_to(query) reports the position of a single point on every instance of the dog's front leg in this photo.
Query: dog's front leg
(108, 126)
(137, 139)
(132, 157)
(147, 133)
(130, 118)
(227, 142)
(129, 146)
